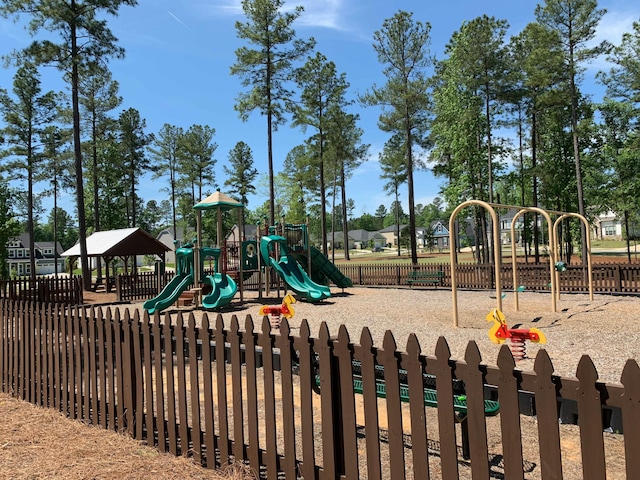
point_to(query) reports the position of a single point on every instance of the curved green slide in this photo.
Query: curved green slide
(322, 269)
(223, 290)
(290, 271)
(169, 294)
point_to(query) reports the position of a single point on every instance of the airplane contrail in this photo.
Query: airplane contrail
(179, 21)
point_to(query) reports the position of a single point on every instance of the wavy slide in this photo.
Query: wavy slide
(290, 271)
(169, 294)
(223, 290)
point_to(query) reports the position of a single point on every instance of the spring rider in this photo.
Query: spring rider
(499, 333)
(276, 312)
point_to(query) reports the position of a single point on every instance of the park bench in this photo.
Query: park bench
(424, 277)
(491, 407)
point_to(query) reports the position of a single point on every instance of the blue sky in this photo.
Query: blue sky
(178, 55)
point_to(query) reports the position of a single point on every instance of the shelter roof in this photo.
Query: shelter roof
(120, 243)
(218, 200)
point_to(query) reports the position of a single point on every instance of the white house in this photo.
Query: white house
(607, 226)
(46, 255)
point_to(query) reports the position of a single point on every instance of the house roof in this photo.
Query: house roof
(392, 228)
(365, 235)
(23, 238)
(120, 243)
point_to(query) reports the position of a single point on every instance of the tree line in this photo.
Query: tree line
(500, 120)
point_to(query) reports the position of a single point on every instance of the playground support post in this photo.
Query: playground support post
(553, 280)
(453, 246)
(588, 239)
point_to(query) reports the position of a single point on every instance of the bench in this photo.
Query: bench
(424, 277)
(491, 407)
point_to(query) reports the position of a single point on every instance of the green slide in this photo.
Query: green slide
(223, 290)
(169, 294)
(290, 271)
(322, 269)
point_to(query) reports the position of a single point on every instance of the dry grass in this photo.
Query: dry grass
(40, 443)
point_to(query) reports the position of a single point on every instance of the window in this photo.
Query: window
(12, 253)
(20, 253)
(609, 230)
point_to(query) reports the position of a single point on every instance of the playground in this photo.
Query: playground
(310, 289)
(574, 325)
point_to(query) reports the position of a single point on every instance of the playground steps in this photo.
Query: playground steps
(187, 298)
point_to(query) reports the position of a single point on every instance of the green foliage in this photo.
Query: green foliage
(402, 46)
(9, 227)
(267, 67)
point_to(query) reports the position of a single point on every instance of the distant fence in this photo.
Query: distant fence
(66, 290)
(610, 278)
(224, 394)
(607, 278)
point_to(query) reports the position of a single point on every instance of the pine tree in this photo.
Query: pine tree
(83, 35)
(402, 45)
(268, 67)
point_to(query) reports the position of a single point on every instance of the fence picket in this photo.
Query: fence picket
(415, 366)
(630, 378)
(221, 385)
(183, 423)
(446, 426)
(474, 388)
(253, 439)
(547, 411)
(510, 416)
(365, 354)
(194, 385)
(590, 411)
(235, 361)
(307, 381)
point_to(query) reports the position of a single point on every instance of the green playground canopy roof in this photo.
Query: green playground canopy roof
(218, 200)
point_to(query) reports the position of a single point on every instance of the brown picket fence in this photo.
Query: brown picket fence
(67, 290)
(288, 407)
(609, 278)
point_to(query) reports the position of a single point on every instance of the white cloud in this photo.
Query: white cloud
(223, 7)
(611, 27)
(323, 13)
(317, 13)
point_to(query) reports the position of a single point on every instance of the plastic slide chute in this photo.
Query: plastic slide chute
(290, 271)
(323, 270)
(223, 289)
(178, 284)
(169, 294)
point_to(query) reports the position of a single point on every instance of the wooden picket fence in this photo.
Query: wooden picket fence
(225, 394)
(609, 278)
(67, 290)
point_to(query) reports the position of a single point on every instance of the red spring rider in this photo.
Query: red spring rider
(276, 312)
(499, 333)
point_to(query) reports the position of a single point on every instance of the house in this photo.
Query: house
(390, 234)
(47, 254)
(439, 235)
(365, 239)
(607, 226)
(337, 238)
(250, 233)
(166, 237)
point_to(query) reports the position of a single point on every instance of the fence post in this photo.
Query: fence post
(118, 288)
